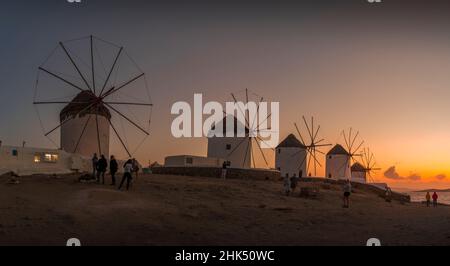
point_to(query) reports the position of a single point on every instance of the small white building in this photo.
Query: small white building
(28, 161)
(25, 161)
(192, 161)
(359, 173)
(338, 163)
(290, 157)
(236, 151)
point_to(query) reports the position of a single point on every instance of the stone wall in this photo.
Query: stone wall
(232, 173)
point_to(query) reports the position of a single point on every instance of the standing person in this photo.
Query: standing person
(388, 195)
(435, 199)
(113, 168)
(287, 185)
(428, 198)
(102, 165)
(347, 191)
(135, 167)
(294, 181)
(224, 170)
(127, 169)
(94, 165)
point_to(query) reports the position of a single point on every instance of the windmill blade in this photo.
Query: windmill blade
(111, 70)
(317, 133)
(268, 116)
(82, 133)
(354, 139)
(129, 103)
(128, 119)
(309, 131)
(300, 135)
(246, 152)
(240, 110)
(323, 145)
(60, 78)
(315, 159)
(345, 139)
(318, 142)
(315, 162)
(350, 139)
(120, 139)
(75, 65)
(309, 163)
(69, 119)
(263, 141)
(257, 112)
(262, 153)
(48, 103)
(92, 63)
(235, 148)
(321, 152)
(98, 134)
(344, 165)
(253, 157)
(113, 90)
(362, 142)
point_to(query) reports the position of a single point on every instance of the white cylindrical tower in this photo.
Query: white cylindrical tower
(290, 157)
(81, 135)
(338, 163)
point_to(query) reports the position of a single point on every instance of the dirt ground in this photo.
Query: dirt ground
(178, 210)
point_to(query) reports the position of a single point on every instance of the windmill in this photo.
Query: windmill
(352, 147)
(253, 126)
(369, 163)
(95, 86)
(312, 145)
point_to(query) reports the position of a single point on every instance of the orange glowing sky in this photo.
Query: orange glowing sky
(382, 70)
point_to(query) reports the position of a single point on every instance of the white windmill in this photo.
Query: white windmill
(340, 159)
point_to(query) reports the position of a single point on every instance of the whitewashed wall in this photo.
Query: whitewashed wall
(71, 132)
(359, 177)
(288, 160)
(338, 167)
(217, 148)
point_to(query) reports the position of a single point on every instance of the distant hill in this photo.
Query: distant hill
(434, 190)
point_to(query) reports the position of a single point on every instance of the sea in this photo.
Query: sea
(444, 197)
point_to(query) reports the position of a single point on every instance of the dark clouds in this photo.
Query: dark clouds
(392, 173)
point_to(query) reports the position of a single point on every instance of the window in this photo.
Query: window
(51, 157)
(279, 151)
(37, 158)
(189, 160)
(228, 146)
(330, 157)
(15, 153)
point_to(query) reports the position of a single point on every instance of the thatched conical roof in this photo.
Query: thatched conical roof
(291, 142)
(81, 102)
(338, 150)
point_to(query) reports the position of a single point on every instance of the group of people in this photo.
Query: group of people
(435, 197)
(100, 166)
